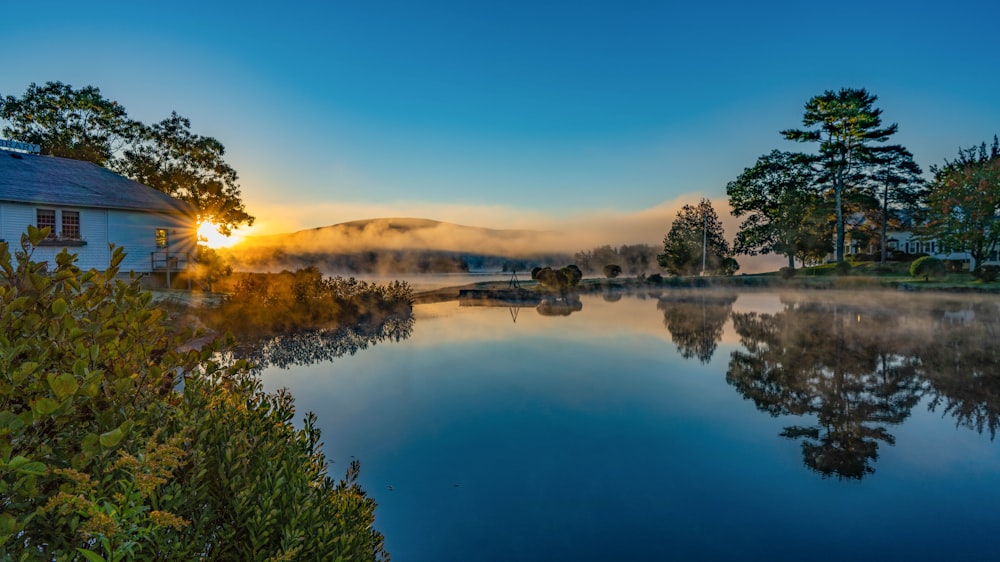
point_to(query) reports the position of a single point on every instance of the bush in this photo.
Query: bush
(842, 268)
(786, 272)
(101, 453)
(612, 270)
(927, 267)
(988, 273)
(557, 279)
(730, 266)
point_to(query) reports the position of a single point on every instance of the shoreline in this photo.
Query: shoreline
(762, 282)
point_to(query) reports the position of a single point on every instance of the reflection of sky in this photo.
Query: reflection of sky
(588, 438)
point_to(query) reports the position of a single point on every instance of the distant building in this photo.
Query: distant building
(906, 242)
(89, 207)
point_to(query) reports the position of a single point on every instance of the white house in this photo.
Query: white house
(908, 242)
(89, 207)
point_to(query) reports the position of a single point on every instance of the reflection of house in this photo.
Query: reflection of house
(87, 207)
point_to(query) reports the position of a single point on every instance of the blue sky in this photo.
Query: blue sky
(511, 113)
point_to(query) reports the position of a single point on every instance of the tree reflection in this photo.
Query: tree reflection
(695, 321)
(834, 362)
(560, 305)
(961, 363)
(306, 347)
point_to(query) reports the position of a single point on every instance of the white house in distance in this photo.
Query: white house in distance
(908, 242)
(89, 207)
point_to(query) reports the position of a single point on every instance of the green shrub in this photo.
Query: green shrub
(988, 273)
(103, 458)
(842, 268)
(927, 267)
(730, 266)
(612, 270)
(786, 272)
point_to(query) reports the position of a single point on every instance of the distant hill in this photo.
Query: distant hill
(398, 245)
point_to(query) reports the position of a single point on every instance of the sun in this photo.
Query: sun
(208, 234)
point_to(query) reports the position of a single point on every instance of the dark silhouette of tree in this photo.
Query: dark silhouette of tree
(67, 122)
(190, 167)
(695, 322)
(612, 270)
(847, 123)
(683, 244)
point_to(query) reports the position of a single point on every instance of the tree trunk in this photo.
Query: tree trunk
(885, 218)
(791, 261)
(838, 188)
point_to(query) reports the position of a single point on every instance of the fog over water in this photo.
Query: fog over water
(686, 424)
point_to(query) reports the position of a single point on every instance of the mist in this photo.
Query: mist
(443, 235)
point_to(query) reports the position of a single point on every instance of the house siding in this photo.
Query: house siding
(132, 230)
(136, 233)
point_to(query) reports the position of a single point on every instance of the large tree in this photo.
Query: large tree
(963, 203)
(171, 158)
(72, 123)
(846, 124)
(695, 242)
(896, 179)
(781, 208)
(83, 125)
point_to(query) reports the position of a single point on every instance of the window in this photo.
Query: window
(161, 238)
(46, 218)
(64, 226)
(71, 225)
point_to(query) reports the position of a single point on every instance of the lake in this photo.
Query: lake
(669, 425)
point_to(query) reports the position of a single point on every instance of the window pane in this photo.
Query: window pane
(46, 218)
(71, 224)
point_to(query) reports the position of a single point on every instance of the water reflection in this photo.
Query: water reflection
(961, 365)
(307, 347)
(859, 369)
(695, 321)
(560, 305)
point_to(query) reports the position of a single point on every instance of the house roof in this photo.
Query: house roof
(50, 180)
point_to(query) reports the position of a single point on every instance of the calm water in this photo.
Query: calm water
(689, 426)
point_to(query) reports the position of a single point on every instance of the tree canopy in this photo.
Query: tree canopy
(896, 178)
(846, 124)
(71, 123)
(190, 167)
(696, 227)
(962, 205)
(781, 209)
(80, 123)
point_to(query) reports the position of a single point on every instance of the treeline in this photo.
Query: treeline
(384, 262)
(635, 259)
(105, 456)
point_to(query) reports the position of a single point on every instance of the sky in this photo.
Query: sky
(597, 115)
